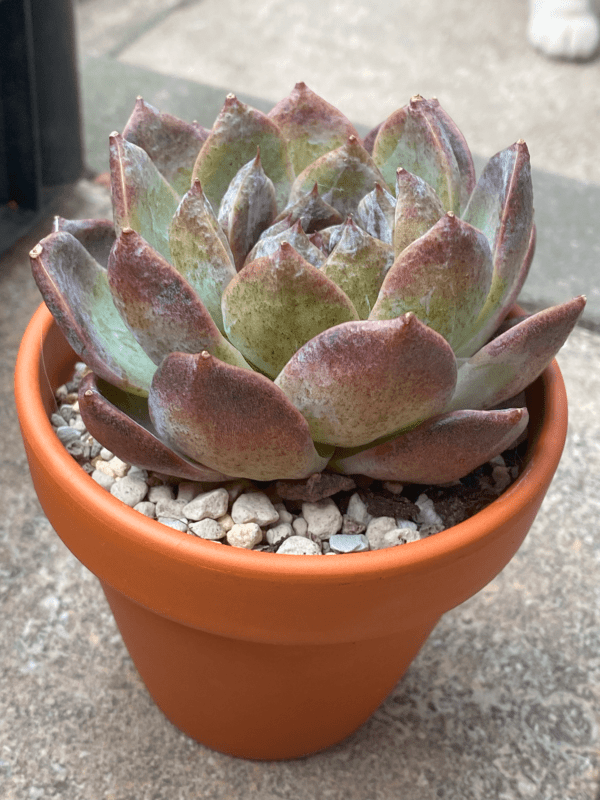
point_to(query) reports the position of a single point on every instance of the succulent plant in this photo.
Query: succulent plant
(278, 297)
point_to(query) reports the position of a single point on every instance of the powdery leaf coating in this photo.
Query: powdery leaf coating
(361, 381)
(294, 235)
(142, 198)
(232, 142)
(159, 306)
(276, 304)
(96, 235)
(310, 125)
(172, 144)
(247, 208)
(110, 416)
(343, 176)
(200, 251)
(358, 265)
(233, 420)
(375, 213)
(75, 288)
(502, 207)
(417, 209)
(440, 450)
(513, 360)
(312, 212)
(443, 277)
(423, 139)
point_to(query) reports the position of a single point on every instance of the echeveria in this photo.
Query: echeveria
(278, 297)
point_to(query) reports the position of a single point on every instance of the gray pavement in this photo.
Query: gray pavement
(503, 701)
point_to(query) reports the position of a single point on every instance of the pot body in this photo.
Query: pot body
(261, 655)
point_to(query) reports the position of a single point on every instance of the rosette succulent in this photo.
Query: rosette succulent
(278, 297)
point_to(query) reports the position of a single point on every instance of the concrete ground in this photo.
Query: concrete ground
(503, 701)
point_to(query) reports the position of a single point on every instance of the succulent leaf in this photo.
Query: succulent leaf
(310, 125)
(96, 235)
(160, 308)
(443, 277)
(233, 420)
(440, 450)
(122, 423)
(268, 245)
(359, 381)
(502, 207)
(375, 213)
(75, 289)
(358, 265)
(142, 198)
(248, 207)
(423, 139)
(172, 144)
(513, 360)
(232, 142)
(329, 237)
(200, 250)
(417, 209)
(312, 211)
(276, 304)
(343, 176)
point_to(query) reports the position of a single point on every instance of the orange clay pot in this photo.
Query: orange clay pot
(255, 654)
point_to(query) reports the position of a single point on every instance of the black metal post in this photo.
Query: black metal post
(40, 128)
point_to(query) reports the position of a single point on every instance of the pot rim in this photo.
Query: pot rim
(348, 568)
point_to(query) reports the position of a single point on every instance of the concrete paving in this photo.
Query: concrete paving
(502, 702)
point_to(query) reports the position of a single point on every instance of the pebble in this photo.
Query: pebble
(277, 533)
(160, 492)
(407, 523)
(351, 526)
(393, 538)
(78, 424)
(254, 507)
(67, 412)
(106, 454)
(284, 514)
(244, 534)
(299, 546)
(211, 504)
(300, 526)
(393, 486)
(177, 524)
(103, 479)
(170, 508)
(377, 529)
(226, 522)
(76, 449)
(118, 468)
(130, 491)
(357, 510)
(427, 513)
(66, 434)
(145, 507)
(348, 543)
(208, 529)
(501, 477)
(137, 472)
(324, 518)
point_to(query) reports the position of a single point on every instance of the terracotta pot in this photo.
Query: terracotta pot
(256, 654)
